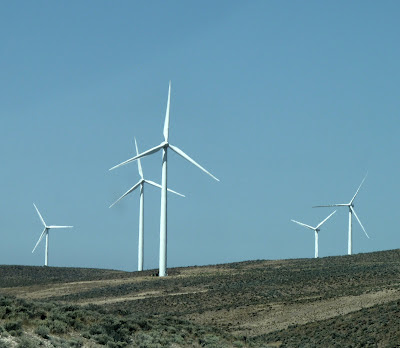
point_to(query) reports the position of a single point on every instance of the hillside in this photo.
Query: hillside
(344, 301)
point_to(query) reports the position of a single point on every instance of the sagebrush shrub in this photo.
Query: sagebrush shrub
(13, 325)
(103, 339)
(27, 343)
(75, 342)
(58, 327)
(42, 331)
(96, 330)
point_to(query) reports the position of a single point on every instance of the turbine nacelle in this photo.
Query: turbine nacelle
(315, 229)
(352, 211)
(142, 181)
(45, 233)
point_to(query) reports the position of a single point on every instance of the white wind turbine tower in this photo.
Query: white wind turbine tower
(140, 184)
(46, 232)
(316, 230)
(165, 145)
(350, 205)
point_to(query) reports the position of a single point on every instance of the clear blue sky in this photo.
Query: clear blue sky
(288, 103)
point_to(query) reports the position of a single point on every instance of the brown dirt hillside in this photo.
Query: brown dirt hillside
(346, 301)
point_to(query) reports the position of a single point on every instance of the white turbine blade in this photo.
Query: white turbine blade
(331, 205)
(146, 153)
(358, 189)
(308, 226)
(159, 186)
(60, 226)
(40, 238)
(186, 157)
(321, 223)
(44, 224)
(152, 183)
(354, 212)
(127, 192)
(177, 193)
(138, 161)
(166, 122)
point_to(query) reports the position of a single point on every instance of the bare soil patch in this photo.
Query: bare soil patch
(262, 319)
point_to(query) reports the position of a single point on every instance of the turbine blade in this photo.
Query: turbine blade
(60, 226)
(152, 183)
(146, 153)
(177, 193)
(127, 192)
(166, 122)
(138, 161)
(44, 224)
(321, 223)
(358, 189)
(354, 212)
(186, 157)
(308, 226)
(40, 238)
(159, 186)
(330, 205)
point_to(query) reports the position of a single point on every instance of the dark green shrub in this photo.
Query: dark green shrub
(103, 339)
(116, 344)
(121, 335)
(76, 319)
(178, 339)
(57, 314)
(5, 301)
(86, 334)
(27, 343)
(13, 326)
(144, 325)
(15, 333)
(59, 342)
(58, 327)
(96, 330)
(6, 312)
(143, 340)
(42, 331)
(75, 342)
(170, 329)
(210, 341)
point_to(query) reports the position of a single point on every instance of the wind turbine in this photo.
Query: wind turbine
(165, 145)
(316, 230)
(46, 232)
(350, 205)
(140, 184)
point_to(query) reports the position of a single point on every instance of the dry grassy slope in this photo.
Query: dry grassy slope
(253, 298)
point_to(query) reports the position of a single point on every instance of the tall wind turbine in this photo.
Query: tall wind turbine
(46, 232)
(350, 205)
(140, 184)
(165, 145)
(316, 230)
